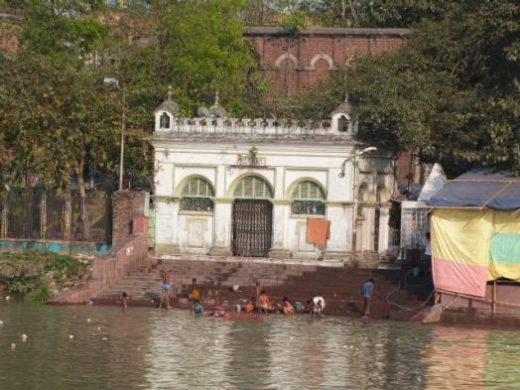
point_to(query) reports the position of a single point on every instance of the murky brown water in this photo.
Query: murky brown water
(153, 349)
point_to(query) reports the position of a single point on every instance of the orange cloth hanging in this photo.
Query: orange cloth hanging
(318, 231)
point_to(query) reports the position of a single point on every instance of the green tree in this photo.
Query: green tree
(196, 46)
(452, 92)
(59, 123)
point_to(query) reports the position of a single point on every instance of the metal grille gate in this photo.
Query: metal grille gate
(252, 227)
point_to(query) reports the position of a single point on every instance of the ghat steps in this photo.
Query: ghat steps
(340, 285)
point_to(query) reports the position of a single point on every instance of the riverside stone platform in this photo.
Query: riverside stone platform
(340, 285)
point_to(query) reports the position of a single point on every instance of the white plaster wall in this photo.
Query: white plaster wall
(339, 228)
(281, 236)
(166, 223)
(384, 230)
(297, 229)
(221, 232)
(163, 178)
(195, 233)
(365, 234)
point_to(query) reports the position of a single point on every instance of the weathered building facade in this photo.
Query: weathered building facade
(247, 187)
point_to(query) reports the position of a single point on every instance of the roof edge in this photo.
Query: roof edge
(327, 31)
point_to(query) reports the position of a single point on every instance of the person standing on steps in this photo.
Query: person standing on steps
(124, 300)
(166, 289)
(368, 290)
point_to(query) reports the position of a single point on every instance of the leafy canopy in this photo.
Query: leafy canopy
(452, 92)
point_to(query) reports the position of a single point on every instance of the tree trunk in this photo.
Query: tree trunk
(67, 217)
(80, 170)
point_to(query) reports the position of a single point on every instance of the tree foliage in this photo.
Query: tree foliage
(346, 13)
(196, 47)
(452, 92)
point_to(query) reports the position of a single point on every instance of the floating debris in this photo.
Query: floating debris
(104, 338)
(71, 337)
(89, 320)
(99, 328)
(13, 346)
(7, 297)
(1, 322)
(24, 337)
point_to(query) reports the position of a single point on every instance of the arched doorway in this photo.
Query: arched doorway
(252, 218)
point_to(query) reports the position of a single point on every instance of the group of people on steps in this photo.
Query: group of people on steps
(260, 304)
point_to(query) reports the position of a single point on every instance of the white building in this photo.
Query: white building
(246, 187)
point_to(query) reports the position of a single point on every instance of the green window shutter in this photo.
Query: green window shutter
(308, 190)
(252, 187)
(197, 187)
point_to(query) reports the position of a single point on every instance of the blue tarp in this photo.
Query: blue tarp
(480, 188)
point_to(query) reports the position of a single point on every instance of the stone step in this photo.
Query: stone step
(339, 285)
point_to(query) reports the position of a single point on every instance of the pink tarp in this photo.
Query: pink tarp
(459, 277)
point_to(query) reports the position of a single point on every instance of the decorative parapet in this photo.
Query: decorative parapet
(246, 127)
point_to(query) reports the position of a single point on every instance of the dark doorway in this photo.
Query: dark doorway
(252, 227)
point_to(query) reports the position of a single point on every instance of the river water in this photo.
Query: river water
(94, 347)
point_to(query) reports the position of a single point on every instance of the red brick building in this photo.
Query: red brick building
(294, 61)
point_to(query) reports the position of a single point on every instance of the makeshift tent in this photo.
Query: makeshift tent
(476, 231)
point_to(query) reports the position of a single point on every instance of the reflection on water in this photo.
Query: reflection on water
(153, 349)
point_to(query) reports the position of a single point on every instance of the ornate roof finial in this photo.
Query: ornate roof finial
(168, 105)
(344, 107)
(216, 110)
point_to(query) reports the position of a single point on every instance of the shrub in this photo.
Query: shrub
(29, 273)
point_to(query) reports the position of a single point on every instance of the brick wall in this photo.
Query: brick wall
(129, 248)
(293, 62)
(126, 205)
(130, 255)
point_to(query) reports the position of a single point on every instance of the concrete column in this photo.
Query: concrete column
(222, 228)
(281, 211)
(339, 241)
(384, 229)
(280, 246)
(166, 227)
(220, 182)
(365, 230)
(279, 185)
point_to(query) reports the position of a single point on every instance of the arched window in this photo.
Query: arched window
(252, 187)
(165, 121)
(196, 195)
(308, 198)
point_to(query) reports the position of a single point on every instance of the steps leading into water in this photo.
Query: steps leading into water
(340, 285)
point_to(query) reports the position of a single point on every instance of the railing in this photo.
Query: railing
(269, 127)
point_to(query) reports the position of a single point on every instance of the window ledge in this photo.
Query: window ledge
(199, 213)
(305, 216)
